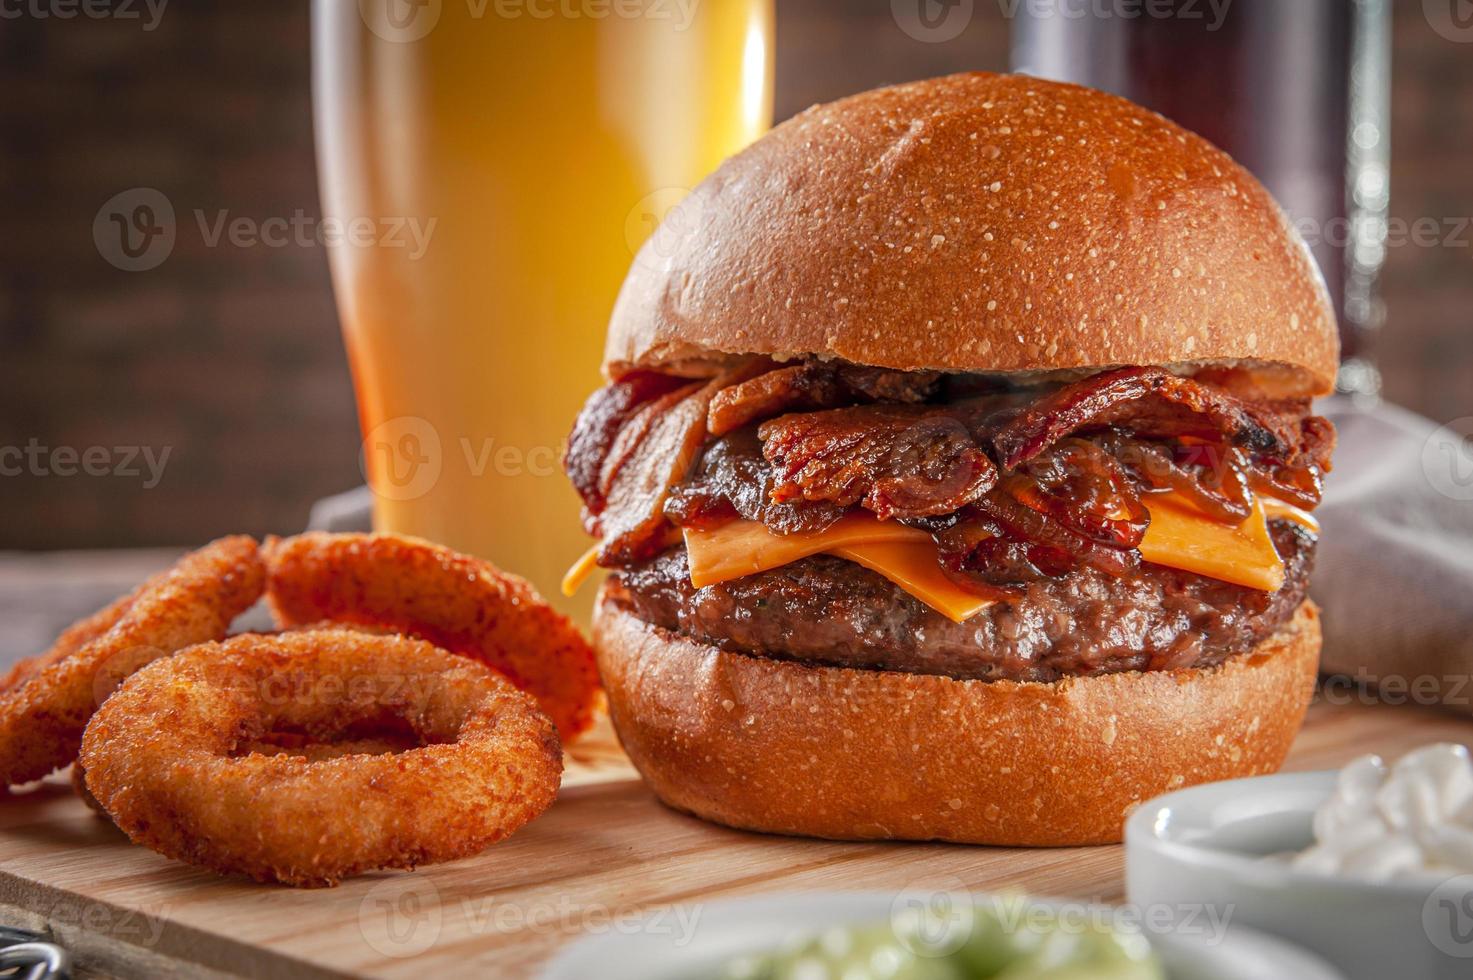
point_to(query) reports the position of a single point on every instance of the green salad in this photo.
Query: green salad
(1004, 940)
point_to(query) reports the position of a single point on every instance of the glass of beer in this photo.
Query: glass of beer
(488, 168)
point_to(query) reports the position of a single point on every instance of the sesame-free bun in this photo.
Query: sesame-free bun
(980, 222)
(833, 752)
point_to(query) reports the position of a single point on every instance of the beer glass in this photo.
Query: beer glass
(488, 168)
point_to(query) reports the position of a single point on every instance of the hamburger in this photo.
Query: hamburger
(955, 470)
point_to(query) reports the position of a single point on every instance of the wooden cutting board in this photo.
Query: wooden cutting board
(605, 852)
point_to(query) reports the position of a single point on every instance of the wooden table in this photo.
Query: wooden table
(606, 851)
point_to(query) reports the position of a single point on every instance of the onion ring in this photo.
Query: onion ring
(45, 701)
(487, 760)
(79, 786)
(459, 603)
(280, 743)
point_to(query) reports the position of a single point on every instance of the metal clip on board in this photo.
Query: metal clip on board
(27, 956)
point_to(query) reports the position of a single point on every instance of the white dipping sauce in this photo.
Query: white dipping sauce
(1412, 820)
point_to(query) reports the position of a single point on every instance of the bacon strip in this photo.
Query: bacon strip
(1298, 477)
(652, 452)
(1148, 402)
(734, 480)
(605, 413)
(813, 385)
(900, 461)
(639, 467)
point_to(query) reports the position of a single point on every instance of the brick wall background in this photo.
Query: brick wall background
(230, 357)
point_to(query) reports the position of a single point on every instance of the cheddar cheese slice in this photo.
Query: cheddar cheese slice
(748, 547)
(1181, 536)
(1279, 510)
(913, 566)
(574, 577)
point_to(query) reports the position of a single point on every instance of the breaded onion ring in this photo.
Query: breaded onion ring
(462, 604)
(45, 701)
(168, 756)
(79, 786)
(277, 744)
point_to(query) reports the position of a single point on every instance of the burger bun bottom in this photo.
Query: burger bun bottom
(789, 748)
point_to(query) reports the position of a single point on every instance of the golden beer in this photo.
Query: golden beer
(501, 161)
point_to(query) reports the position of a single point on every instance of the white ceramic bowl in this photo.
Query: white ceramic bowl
(1219, 847)
(727, 929)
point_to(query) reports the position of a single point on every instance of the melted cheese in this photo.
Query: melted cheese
(1183, 537)
(748, 547)
(574, 577)
(1279, 510)
(914, 566)
(1179, 535)
(904, 555)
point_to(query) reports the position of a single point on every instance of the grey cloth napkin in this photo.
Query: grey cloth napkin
(351, 510)
(1394, 570)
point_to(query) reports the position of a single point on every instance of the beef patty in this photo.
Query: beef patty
(825, 610)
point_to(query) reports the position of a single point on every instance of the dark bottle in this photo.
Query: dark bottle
(1295, 91)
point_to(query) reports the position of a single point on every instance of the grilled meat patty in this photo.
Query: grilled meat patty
(826, 610)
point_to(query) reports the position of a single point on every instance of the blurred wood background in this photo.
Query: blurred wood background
(231, 356)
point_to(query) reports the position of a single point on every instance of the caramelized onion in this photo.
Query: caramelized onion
(1051, 547)
(1299, 485)
(1086, 490)
(1211, 476)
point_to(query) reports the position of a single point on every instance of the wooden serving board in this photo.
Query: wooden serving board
(605, 852)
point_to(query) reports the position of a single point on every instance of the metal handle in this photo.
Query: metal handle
(26, 956)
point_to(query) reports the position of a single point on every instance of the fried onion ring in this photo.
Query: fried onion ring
(197, 788)
(79, 786)
(45, 701)
(462, 604)
(279, 743)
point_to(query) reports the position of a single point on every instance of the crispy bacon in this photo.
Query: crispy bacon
(813, 385)
(1148, 402)
(766, 395)
(902, 461)
(1298, 476)
(651, 453)
(732, 479)
(604, 414)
